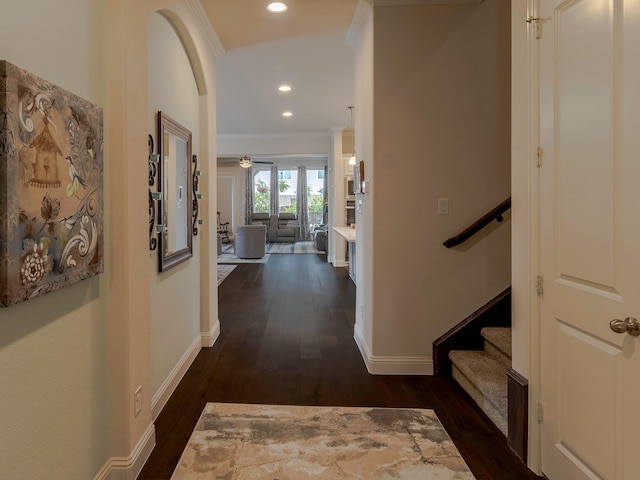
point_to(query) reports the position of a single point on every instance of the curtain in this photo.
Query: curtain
(303, 207)
(275, 191)
(248, 195)
(325, 197)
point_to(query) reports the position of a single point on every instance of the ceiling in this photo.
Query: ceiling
(303, 47)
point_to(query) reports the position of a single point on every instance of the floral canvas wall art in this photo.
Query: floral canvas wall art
(51, 187)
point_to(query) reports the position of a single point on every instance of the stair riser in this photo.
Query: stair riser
(500, 356)
(498, 418)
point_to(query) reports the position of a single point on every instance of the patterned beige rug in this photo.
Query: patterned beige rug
(226, 258)
(224, 271)
(242, 442)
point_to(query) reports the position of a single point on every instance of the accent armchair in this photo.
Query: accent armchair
(250, 241)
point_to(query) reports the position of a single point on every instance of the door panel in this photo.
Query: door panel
(590, 237)
(583, 78)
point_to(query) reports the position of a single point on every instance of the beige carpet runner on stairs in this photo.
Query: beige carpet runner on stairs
(483, 373)
(242, 442)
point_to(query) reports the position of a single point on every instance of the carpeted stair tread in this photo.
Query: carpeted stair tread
(485, 379)
(499, 337)
(497, 343)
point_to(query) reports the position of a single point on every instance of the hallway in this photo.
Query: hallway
(287, 338)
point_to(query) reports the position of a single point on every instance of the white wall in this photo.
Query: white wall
(55, 359)
(235, 176)
(71, 360)
(441, 127)
(175, 293)
(285, 144)
(225, 200)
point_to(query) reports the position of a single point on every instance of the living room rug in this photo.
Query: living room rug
(224, 271)
(231, 258)
(242, 442)
(297, 247)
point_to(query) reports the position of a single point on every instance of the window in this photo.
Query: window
(261, 191)
(288, 190)
(315, 196)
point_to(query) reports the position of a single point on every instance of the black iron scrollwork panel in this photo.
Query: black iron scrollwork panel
(194, 189)
(153, 169)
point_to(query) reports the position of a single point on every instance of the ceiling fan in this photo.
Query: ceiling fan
(245, 161)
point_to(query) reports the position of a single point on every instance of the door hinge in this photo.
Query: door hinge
(540, 412)
(539, 288)
(537, 25)
(539, 157)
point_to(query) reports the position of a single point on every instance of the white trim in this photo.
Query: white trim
(209, 338)
(204, 22)
(399, 3)
(128, 468)
(534, 457)
(339, 263)
(161, 397)
(244, 136)
(377, 365)
(358, 22)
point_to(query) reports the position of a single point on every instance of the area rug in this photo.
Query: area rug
(297, 247)
(242, 442)
(224, 271)
(231, 258)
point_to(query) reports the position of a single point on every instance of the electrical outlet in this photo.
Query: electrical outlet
(137, 400)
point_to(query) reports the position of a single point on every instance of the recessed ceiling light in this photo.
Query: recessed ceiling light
(277, 7)
(284, 88)
(287, 114)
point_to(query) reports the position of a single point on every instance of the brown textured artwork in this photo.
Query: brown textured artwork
(51, 196)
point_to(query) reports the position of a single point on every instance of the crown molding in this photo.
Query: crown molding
(244, 136)
(359, 20)
(385, 3)
(203, 21)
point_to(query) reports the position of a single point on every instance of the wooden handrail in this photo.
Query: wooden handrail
(495, 214)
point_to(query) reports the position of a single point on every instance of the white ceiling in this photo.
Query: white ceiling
(303, 47)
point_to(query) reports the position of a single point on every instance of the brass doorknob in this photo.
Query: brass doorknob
(629, 325)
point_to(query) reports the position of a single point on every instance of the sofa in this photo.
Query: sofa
(283, 228)
(320, 238)
(259, 219)
(249, 241)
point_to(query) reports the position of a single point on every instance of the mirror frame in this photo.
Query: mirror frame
(167, 260)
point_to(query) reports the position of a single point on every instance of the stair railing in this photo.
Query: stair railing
(495, 214)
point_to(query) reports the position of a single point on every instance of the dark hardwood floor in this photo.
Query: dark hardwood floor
(287, 338)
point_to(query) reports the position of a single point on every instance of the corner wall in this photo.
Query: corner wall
(55, 361)
(441, 126)
(71, 360)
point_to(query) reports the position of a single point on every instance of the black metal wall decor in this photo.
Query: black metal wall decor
(196, 196)
(153, 196)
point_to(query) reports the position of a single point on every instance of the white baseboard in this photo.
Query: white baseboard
(340, 263)
(161, 397)
(128, 468)
(209, 338)
(386, 365)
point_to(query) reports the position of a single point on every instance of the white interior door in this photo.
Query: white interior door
(590, 237)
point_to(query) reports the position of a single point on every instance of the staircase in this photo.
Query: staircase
(483, 373)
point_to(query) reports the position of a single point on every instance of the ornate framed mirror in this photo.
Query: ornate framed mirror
(174, 185)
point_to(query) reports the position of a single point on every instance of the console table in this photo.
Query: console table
(349, 234)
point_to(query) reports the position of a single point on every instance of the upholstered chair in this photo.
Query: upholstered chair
(250, 241)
